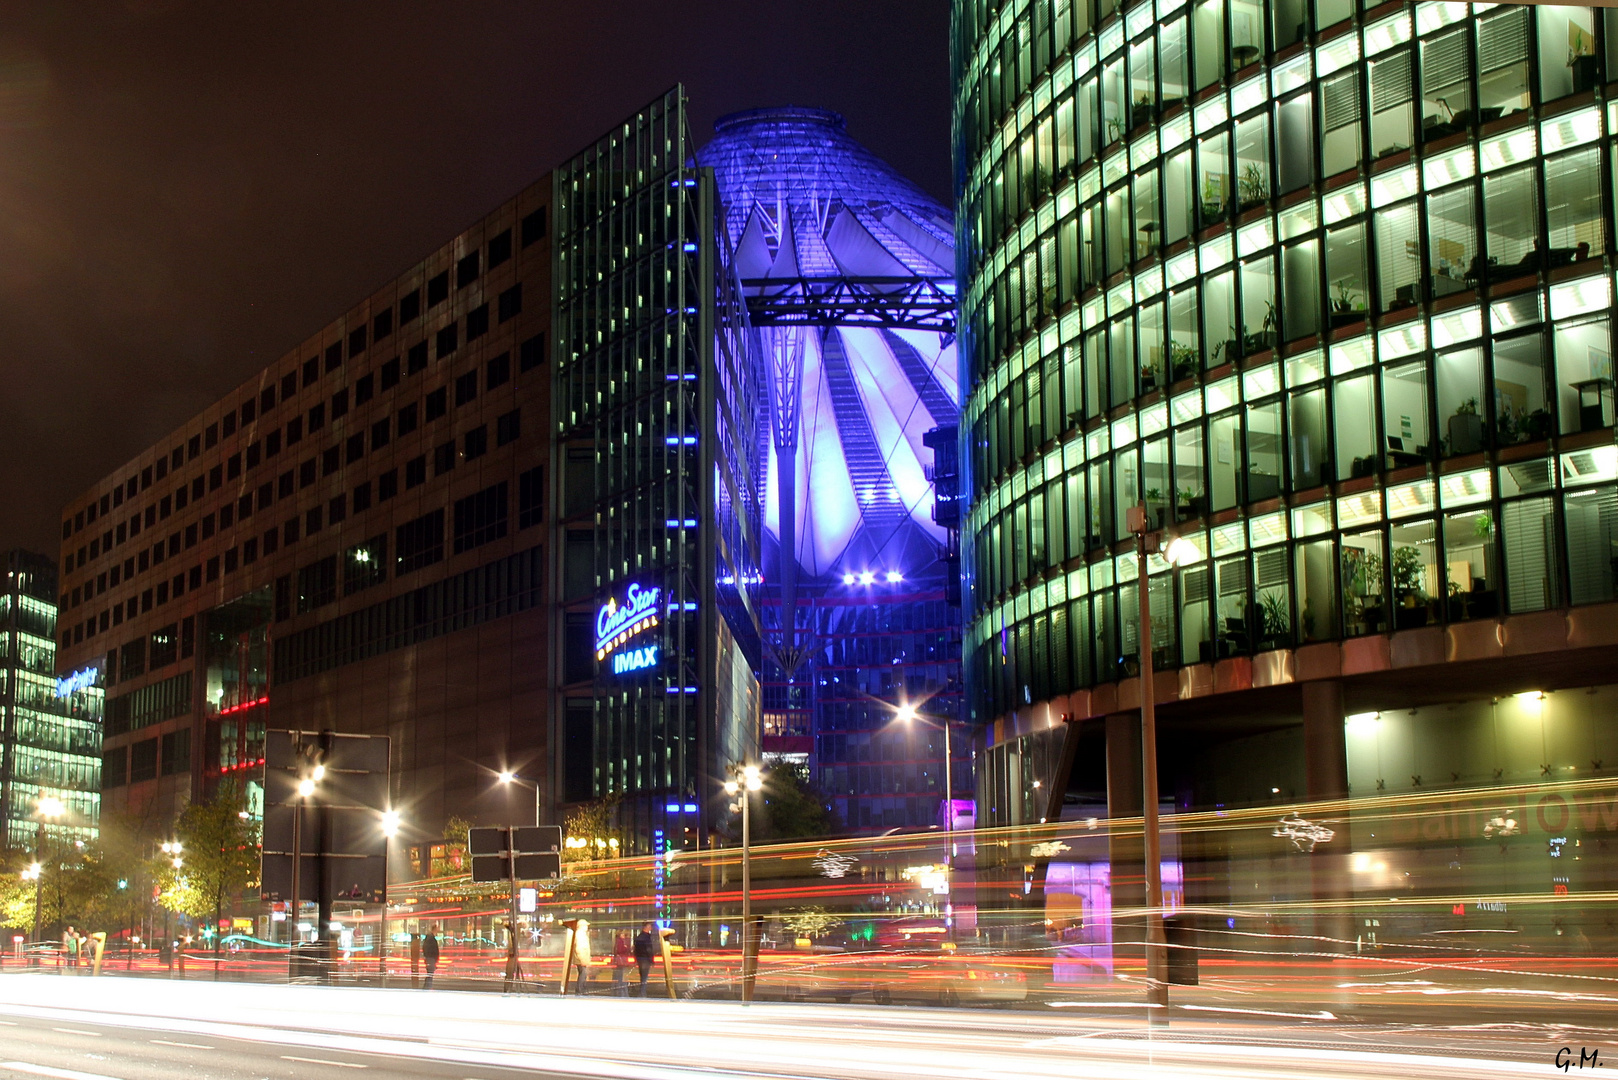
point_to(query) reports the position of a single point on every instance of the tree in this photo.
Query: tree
(457, 838)
(794, 808)
(220, 857)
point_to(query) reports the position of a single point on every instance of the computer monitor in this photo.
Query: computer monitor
(1395, 443)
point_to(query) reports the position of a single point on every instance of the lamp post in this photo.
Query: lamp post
(390, 830)
(311, 771)
(172, 849)
(1179, 550)
(48, 808)
(744, 780)
(908, 713)
(509, 777)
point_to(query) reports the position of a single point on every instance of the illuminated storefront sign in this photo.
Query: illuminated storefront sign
(68, 685)
(634, 660)
(616, 623)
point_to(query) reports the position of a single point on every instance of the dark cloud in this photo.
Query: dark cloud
(188, 189)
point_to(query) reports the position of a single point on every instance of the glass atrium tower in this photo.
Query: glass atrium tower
(848, 272)
(1327, 288)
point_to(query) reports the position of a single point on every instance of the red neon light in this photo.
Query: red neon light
(265, 700)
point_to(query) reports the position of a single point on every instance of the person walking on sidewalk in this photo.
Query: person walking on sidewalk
(644, 944)
(429, 956)
(622, 954)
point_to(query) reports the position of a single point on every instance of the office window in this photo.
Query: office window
(390, 374)
(362, 497)
(334, 356)
(337, 509)
(498, 371)
(210, 438)
(387, 485)
(531, 353)
(176, 752)
(437, 404)
(419, 543)
(311, 371)
(289, 531)
(1521, 404)
(533, 227)
(1528, 529)
(476, 442)
(143, 761)
(289, 385)
(354, 447)
(212, 569)
(230, 561)
(508, 427)
(216, 478)
(407, 420)
(339, 404)
(272, 541)
(249, 553)
(438, 289)
(227, 428)
(255, 454)
(447, 341)
(531, 497)
(312, 521)
(466, 388)
(416, 358)
(330, 460)
(244, 506)
(317, 584)
(415, 472)
(233, 466)
(294, 430)
(477, 322)
(409, 306)
(284, 484)
(499, 248)
(192, 449)
(317, 417)
(379, 433)
(365, 565)
(443, 458)
(382, 324)
(509, 304)
(480, 518)
(1340, 123)
(356, 341)
(306, 473)
(466, 270)
(364, 389)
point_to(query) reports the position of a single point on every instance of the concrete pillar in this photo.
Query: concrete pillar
(1325, 745)
(1126, 849)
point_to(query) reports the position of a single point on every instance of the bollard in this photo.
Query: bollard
(100, 946)
(663, 938)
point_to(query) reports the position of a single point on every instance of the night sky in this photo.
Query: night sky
(188, 189)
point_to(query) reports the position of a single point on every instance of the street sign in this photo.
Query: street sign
(537, 849)
(342, 843)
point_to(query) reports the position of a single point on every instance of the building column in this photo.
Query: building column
(1325, 749)
(1126, 851)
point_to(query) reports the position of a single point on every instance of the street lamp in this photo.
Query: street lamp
(49, 807)
(745, 779)
(506, 776)
(1179, 550)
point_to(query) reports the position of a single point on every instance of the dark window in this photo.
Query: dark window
(466, 270)
(362, 497)
(438, 289)
(192, 449)
(415, 472)
(499, 248)
(249, 552)
(227, 427)
(146, 478)
(194, 578)
(249, 411)
(272, 541)
(283, 598)
(365, 565)
(317, 584)
(266, 398)
(390, 374)
(182, 496)
(334, 356)
(266, 494)
(151, 516)
(416, 358)
(330, 459)
(364, 389)
(233, 466)
(311, 521)
(317, 417)
(477, 442)
(289, 384)
(407, 419)
(419, 543)
(533, 227)
(255, 454)
(306, 473)
(284, 485)
(311, 371)
(382, 325)
(337, 509)
(531, 353)
(448, 341)
(216, 477)
(409, 306)
(210, 436)
(356, 341)
(177, 752)
(115, 767)
(508, 428)
(191, 535)
(480, 518)
(143, 761)
(212, 571)
(510, 302)
(466, 388)
(531, 497)
(207, 525)
(443, 458)
(437, 404)
(132, 659)
(477, 322)
(294, 430)
(379, 433)
(339, 404)
(387, 485)
(498, 371)
(272, 444)
(164, 506)
(230, 561)
(244, 506)
(354, 448)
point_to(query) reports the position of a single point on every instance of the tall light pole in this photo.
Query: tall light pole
(313, 771)
(509, 777)
(1179, 549)
(48, 808)
(744, 780)
(390, 830)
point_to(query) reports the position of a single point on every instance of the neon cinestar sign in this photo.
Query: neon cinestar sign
(616, 623)
(634, 660)
(69, 685)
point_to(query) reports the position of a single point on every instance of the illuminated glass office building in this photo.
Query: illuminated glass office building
(1328, 289)
(51, 725)
(847, 270)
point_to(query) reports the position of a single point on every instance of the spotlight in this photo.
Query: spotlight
(894, 575)
(848, 579)
(867, 578)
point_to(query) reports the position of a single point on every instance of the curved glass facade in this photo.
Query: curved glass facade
(1324, 286)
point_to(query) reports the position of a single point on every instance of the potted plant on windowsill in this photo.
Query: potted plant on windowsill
(1410, 598)
(1183, 358)
(1273, 612)
(1154, 500)
(1187, 504)
(1252, 187)
(1343, 309)
(1466, 428)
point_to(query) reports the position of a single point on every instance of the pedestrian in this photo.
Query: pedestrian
(622, 954)
(643, 953)
(70, 947)
(429, 955)
(581, 955)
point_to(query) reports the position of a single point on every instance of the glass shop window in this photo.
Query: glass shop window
(1185, 341)
(1189, 498)
(1511, 213)
(1460, 397)
(1224, 446)
(1472, 587)
(1173, 61)
(1446, 85)
(1142, 84)
(1592, 544)
(1356, 428)
(1453, 262)
(1310, 454)
(1573, 206)
(1295, 143)
(1153, 374)
(1528, 531)
(1259, 326)
(1122, 354)
(1568, 63)
(1502, 64)
(1362, 579)
(1392, 104)
(1300, 289)
(1179, 218)
(1261, 464)
(1584, 384)
(1208, 41)
(1398, 245)
(1219, 318)
(1215, 189)
(1520, 410)
(1291, 18)
(1340, 142)
(1346, 284)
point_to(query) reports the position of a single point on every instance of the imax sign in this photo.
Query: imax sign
(634, 660)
